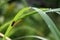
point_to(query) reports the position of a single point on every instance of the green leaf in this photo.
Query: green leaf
(16, 18)
(49, 22)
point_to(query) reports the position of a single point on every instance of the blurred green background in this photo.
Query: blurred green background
(31, 25)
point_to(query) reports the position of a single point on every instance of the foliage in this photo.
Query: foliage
(29, 22)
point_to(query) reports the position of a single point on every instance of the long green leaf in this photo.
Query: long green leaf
(15, 19)
(49, 22)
